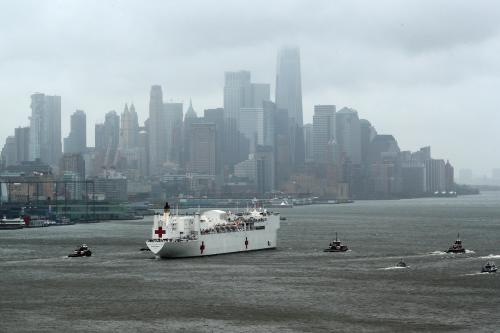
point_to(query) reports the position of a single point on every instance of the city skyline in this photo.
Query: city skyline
(418, 86)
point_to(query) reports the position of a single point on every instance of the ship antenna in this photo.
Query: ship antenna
(336, 239)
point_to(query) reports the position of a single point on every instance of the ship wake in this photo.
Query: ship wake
(491, 256)
(437, 253)
(393, 267)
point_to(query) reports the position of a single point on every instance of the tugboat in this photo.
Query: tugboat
(456, 247)
(81, 251)
(489, 268)
(336, 246)
(401, 263)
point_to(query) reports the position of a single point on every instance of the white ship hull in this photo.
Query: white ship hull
(213, 244)
(228, 234)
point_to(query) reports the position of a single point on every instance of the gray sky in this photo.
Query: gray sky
(425, 71)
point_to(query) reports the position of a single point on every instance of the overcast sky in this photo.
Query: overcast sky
(427, 72)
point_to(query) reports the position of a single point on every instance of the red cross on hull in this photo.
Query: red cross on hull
(160, 232)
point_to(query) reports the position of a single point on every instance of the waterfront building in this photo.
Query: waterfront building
(435, 171)
(111, 186)
(413, 178)
(72, 172)
(74, 163)
(449, 177)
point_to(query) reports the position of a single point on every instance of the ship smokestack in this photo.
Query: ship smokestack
(166, 213)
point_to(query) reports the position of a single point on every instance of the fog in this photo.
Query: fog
(425, 71)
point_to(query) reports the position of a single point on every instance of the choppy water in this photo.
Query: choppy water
(296, 288)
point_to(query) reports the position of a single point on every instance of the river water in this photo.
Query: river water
(295, 288)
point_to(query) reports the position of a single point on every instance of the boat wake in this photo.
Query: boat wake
(393, 267)
(442, 253)
(478, 273)
(491, 256)
(437, 253)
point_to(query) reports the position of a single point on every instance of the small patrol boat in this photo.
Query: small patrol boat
(456, 247)
(81, 251)
(489, 268)
(401, 263)
(336, 246)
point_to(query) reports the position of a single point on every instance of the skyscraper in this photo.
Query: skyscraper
(240, 93)
(435, 173)
(237, 94)
(190, 118)
(368, 132)
(288, 83)
(282, 147)
(449, 177)
(348, 134)
(107, 136)
(112, 129)
(203, 149)
(157, 137)
(129, 129)
(9, 152)
(252, 125)
(323, 133)
(216, 116)
(72, 169)
(76, 141)
(45, 124)
(22, 135)
(173, 126)
(99, 137)
(308, 142)
(133, 152)
(265, 168)
(257, 124)
(289, 97)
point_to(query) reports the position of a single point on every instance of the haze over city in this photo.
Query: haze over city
(311, 166)
(424, 71)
